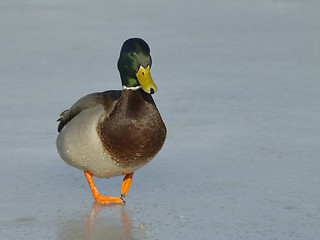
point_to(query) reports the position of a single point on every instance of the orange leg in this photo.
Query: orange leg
(99, 198)
(126, 184)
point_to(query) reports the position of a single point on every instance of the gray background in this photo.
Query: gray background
(239, 91)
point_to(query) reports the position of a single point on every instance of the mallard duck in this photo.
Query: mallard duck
(115, 132)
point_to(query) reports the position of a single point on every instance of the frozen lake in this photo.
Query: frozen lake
(239, 91)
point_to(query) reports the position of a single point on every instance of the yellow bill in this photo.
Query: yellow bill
(145, 80)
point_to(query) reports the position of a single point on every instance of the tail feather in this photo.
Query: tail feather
(62, 123)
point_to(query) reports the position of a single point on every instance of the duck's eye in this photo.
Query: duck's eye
(131, 54)
(142, 73)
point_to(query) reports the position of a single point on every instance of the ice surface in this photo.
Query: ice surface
(239, 91)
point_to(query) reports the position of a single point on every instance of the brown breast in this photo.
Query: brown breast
(134, 132)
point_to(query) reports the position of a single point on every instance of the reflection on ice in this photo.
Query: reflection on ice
(114, 224)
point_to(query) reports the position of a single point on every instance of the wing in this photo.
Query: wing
(107, 98)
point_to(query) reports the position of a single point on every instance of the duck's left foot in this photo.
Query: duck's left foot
(126, 184)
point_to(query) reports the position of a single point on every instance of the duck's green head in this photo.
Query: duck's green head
(134, 65)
